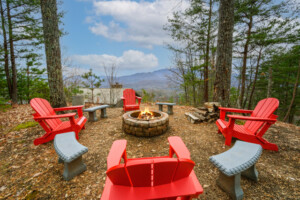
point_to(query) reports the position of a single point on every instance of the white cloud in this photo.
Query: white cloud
(141, 22)
(131, 60)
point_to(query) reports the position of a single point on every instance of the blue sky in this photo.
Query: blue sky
(124, 33)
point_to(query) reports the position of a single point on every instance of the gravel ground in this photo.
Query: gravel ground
(32, 172)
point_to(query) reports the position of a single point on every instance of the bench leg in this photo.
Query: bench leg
(73, 168)
(160, 107)
(251, 173)
(170, 110)
(231, 185)
(103, 113)
(92, 117)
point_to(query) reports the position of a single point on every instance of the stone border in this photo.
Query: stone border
(143, 128)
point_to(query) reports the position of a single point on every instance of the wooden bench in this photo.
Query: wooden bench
(92, 112)
(170, 107)
(70, 151)
(237, 161)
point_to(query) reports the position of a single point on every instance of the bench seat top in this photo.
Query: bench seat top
(92, 109)
(162, 103)
(237, 159)
(67, 147)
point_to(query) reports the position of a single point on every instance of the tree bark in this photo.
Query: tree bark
(244, 67)
(255, 78)
(53, 54)
(224, 52)
(269, 92)
(5, 46)
(207, 54)
(294, 94)
(14, 89)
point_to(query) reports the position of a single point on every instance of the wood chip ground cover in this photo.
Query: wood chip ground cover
(32, 172)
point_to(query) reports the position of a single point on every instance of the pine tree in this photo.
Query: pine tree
(53, 54)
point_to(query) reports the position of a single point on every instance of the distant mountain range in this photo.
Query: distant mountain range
(156, 80)
(149, 80)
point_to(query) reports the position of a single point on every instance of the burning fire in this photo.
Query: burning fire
(146, 114)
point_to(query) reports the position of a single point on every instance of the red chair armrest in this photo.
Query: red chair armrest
(117, 151)
(123, 98)
(68, 108)
(178, 147)
(139, 98)
(251, 118)
(235, 110)
(55, 116)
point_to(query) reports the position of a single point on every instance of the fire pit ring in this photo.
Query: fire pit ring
(145, 128)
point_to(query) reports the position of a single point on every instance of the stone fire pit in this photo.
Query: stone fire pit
(145, 128)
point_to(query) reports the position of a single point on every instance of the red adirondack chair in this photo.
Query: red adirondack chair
(129, 100)
(256, 125)
(151, 178)
(45, 115)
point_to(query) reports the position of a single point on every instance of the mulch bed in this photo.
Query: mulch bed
(32, 172)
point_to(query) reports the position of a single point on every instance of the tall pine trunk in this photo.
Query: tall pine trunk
(53, 55)
(5, 46)
(224, 52)
(294, 94)
(270, 82)
(244, 67)
(207, 54)
(14, 89)
(255, 78)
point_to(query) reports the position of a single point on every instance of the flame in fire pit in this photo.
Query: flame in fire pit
(146, 114)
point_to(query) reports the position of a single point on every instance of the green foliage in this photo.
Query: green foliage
(4, 107)
(284, 64)
(147, 97)
(91, 81)
(25, 125)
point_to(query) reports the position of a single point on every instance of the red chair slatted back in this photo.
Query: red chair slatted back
(43, 108)
(140, 172)
(164, 170)
(264, 109)
(184, 168)
(118, 175)
(129, 95)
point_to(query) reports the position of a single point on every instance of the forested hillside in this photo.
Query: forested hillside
(254, 42)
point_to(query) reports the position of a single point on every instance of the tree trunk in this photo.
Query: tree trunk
(244, 67)
(207, 54)
(6, 65)
(269, 92)
(53, 54)
(224, 52)
(14, 89)
(255, 78)
(294, 94)
(28, 84)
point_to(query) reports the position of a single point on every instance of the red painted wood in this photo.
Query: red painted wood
(150, 178)
(140, 172)
(129, 100)
(51, 122)
(164, 170)
(116, 153)
(178, 147)
(118, 175)
(255, 127)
